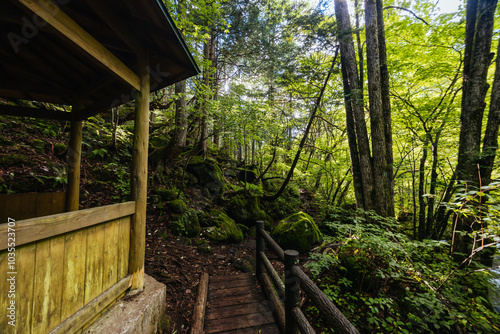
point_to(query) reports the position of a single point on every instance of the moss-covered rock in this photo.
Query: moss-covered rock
(177, 206)
(298, 232)
(38, 145)
(186, 224)
(203, 247)
(286, 204)
(246, 210)
(223, 228)
(165, 193)
(207, 173)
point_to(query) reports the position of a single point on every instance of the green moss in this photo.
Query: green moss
(223, 228)
(177, 206)
(298, 232)
(38, 145)
(186, 224)
(166, 193)
(246, 210)
(12, 159)
(207, 173)
(59, 148)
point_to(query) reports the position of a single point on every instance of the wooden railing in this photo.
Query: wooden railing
(66, 268)
(31, 205)
(290, 317)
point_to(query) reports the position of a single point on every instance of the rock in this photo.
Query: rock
(204, 247)
(177, 206)
(207, 173)
(298, 232)
(38, 145)
(245, 210)
(186, 224)
(223, 228)
(242, 265)
(165, 193)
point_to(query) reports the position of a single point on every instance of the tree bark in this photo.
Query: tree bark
(355, 101)
(380, 179)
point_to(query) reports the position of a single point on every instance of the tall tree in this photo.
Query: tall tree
(475, 164)
(375, 174)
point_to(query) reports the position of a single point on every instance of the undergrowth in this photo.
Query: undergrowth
(385, 282)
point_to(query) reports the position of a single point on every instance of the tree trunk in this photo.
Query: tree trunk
(421, 192)
(380, 179)
(386, 107)
(355, 101)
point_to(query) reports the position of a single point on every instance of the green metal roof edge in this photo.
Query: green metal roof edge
(178, 35)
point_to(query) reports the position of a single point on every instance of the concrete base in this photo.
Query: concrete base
(143, 313)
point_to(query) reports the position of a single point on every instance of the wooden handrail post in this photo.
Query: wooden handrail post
(260, 247)
(74, 161)
(292, 291)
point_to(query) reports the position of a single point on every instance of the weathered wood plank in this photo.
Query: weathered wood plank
(74, 273)
(264, 329)
(69, 28)
(245, 281)
(110, 257)
(84, 315)
(25, 263)
(228, 278)
(200, 306)
(237, 291)
(235, 310)
(232, 300)
(94, 262)
(123, 246)
(48, 284)
(239, 322)
(28, 206)
(40, 228)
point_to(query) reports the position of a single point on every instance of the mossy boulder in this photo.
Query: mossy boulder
(165, 193)
(298, 232)
(186, 224)
(222, 228)
(245, 210)
(177, 206)
(38, 145)
(208, 174)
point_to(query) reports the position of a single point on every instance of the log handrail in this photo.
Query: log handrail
(294, 320)
(35, 229)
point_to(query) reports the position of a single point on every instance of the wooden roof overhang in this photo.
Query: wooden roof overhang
(85, 53)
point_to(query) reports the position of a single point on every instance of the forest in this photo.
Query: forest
(374, 124)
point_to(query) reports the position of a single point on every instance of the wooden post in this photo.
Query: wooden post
(292, 291)
(139, 180)
(260, 247)
(74, 161)
(200, 306)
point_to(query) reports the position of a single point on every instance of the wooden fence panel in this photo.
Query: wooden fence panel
(59, 275)
(31, 205)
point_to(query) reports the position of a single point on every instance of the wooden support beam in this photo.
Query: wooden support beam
(140, 177)
(74, 161)
(9, 110)
(54, 15)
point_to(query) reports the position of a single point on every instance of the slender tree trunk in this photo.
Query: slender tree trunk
(490, 141)
(355, 101)
(380, 179)
(421, 192)
(386, 107)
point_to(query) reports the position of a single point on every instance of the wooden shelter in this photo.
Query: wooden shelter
(59, 272)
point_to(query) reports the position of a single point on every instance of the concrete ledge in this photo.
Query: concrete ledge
(142, 313)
